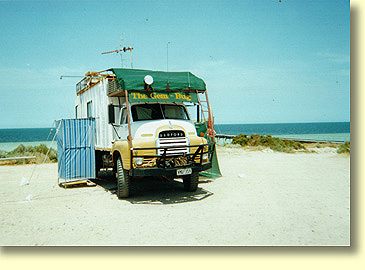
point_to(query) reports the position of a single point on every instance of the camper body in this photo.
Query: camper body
(144, 131)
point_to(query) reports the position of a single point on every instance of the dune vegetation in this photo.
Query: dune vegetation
(344, 148)
(267, 141)
(257, 142)
(41, 153)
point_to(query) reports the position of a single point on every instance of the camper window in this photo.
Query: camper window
(89, 109)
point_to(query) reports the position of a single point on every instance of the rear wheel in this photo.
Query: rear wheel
(191, 181)
(123, 180)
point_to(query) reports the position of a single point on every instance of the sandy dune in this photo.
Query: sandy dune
(264, 198)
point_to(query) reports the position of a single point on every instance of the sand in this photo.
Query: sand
(263, 198)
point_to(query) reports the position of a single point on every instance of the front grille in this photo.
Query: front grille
(171, 134)
(179, 142)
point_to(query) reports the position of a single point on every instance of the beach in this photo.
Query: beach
(264, 198)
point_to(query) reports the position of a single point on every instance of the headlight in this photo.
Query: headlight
(205, 156)
(138, 160)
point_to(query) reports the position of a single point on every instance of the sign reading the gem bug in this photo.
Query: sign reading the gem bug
(178, 97)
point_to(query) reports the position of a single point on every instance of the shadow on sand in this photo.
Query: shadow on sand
(152, 190)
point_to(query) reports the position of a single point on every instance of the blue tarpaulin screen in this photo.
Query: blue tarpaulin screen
(75, 145)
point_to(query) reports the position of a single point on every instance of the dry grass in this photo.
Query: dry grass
(344, 148)
(41, 152)
(267, 141)
(259, 142)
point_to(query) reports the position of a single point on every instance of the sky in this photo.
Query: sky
(266, 61)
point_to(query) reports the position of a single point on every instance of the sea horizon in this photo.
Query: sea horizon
(10, 138)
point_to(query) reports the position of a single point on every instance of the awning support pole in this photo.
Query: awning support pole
(129, 138)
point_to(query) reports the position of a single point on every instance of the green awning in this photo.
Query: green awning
(133, 79)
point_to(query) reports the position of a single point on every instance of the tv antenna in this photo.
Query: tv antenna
(119, 51)
(167, 56)
(70, 76)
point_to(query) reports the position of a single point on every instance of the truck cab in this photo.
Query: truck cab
(143, 127)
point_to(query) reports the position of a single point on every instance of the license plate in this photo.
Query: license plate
(185, 171)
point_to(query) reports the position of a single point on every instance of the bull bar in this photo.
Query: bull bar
(165, 167)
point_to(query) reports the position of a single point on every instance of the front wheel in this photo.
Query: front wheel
(123, 180)
(191, 181)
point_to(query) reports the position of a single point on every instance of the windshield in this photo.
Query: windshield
(142, 112)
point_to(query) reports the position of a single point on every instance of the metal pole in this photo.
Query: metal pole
(131, 59)
(121, 59)
(198, 113)
(128, 119)
(167, 56)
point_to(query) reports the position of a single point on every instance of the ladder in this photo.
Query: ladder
(206, 113)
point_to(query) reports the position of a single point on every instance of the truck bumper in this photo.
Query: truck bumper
(167, 171)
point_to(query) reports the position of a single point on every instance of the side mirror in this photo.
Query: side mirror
(111, 114)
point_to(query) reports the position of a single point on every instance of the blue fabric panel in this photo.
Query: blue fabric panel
(75, 145)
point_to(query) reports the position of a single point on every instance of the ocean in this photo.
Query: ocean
(331, 131)
(322, 131)
(12, 137)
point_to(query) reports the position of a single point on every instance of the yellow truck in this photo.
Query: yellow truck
(148, 123)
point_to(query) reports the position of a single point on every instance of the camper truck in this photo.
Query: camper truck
(143, 126)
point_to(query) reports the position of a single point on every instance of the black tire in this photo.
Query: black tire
(123, 180)
(191, 181)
